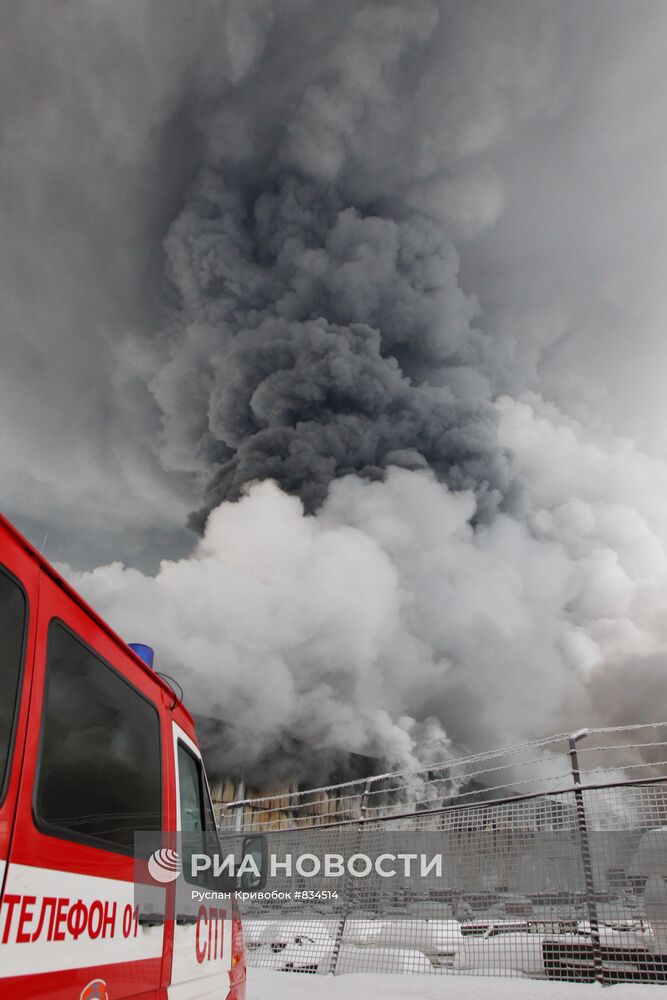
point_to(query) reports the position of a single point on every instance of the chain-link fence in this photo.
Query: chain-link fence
(551, 867)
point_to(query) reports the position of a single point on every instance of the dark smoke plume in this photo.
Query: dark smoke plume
(331, 340)
(322, 330)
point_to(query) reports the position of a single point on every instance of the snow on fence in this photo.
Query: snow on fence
(555, 865)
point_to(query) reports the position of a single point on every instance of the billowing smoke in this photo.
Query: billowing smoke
(341, 630)
(326, 342)
(402, 542)
(320, 333)
(322, 330)
(344, 628)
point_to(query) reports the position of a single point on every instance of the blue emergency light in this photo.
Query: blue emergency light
(145, 653)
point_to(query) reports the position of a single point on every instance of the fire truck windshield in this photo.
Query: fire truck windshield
(12, 623)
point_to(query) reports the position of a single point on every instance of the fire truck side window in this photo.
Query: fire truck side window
(12, 623)
(190, 792)
(196, 816)
(99, 776)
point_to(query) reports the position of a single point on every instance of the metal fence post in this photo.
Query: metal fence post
(349, 895)
(585, 847)
(238, 818)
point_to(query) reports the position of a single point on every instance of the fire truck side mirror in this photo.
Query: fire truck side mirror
(255, 861)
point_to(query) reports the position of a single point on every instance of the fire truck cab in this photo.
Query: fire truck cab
(94, 746)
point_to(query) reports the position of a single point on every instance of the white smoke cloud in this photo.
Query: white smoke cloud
(283, 623)
(602, 501)
(387, 607)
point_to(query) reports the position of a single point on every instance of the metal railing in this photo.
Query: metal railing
(555, 865)
(539, 766)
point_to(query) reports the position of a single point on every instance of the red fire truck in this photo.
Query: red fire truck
(94, 746)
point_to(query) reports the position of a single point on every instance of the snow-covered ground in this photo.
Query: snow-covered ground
(265, 985)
